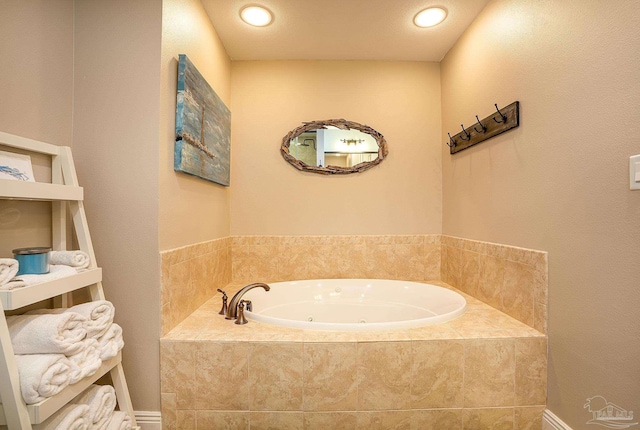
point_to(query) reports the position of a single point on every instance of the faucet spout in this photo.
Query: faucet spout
(232, 310)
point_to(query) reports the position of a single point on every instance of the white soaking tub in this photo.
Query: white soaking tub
(354, 304)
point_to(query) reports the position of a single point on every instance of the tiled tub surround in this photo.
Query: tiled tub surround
(190, 276)
(484, 370)
(511, 279)
(287, 258)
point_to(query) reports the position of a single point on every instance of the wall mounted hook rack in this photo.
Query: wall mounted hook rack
(503, 120)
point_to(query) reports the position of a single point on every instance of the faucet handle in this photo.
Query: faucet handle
(248, 305)
(223, 311)
(241, 319)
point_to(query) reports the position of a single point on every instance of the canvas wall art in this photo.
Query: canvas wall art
(16, 167)
(203, 127)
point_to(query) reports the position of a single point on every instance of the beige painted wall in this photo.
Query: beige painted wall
(559, 182)
(116, 134)
(36, 43)
(36, 83)
(192, 210)
(399, 99)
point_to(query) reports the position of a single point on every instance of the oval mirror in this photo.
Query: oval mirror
(334, 146)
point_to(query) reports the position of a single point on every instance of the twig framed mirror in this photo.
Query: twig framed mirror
(334, 147)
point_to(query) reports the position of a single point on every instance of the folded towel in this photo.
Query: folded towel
(99, 316)
(101, 400)
(55, 272)
(86, 362)
(119, 421)
(8, 269)
(46, 311)
(111, 342)
(69, 417)
(49, 333)
(42, 375)
(77, 259)
(12, 285)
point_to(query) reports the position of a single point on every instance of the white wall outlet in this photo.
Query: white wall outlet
(634, 172)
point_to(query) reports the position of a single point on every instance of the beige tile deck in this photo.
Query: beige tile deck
(479, 321)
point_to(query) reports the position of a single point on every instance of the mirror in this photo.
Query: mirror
(334, 146)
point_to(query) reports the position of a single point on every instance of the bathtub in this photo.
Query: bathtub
(354, 304)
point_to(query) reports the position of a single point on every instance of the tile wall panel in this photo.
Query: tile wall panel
(190, 276)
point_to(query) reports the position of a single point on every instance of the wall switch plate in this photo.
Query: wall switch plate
(634, 172)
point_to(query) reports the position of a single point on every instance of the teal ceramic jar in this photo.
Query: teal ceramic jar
(32, 261)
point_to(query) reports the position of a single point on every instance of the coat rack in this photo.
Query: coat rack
(503, 120)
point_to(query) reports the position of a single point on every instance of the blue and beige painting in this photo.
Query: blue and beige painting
(203, 127)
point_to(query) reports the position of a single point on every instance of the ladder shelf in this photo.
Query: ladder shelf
(67, 197)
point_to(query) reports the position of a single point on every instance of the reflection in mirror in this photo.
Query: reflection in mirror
(334, 146)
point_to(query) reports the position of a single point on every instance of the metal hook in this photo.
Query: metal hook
(504, 117)
(484, 128)
(465, 132)
(453, 142)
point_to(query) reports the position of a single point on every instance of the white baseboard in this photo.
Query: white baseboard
(148, 420)
(151, 420)
(551, 422)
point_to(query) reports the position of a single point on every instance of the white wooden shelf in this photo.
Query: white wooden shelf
(21, 190)
(20, 297)
(66, 196)
(39, 412)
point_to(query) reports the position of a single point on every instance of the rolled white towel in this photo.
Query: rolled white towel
(47, 334)
(111, 342)
(119, 421)
(101, 400)
(77, 259)
(99, 316)
(46, 311)
(69, 417)
(55, 272)
(12, 285)
(8, 269)
(86, 362)
(42, 375)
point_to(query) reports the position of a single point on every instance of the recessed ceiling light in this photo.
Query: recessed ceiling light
(256, 15)
(430, 17)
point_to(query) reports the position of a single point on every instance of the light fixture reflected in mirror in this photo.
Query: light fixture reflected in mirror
(258, 16)
(350, 141)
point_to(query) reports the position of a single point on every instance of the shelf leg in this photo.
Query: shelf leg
(122, 392)
(15, 410)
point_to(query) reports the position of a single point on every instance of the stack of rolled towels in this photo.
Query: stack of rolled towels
(58, 347)
(93, 409)
(62, 263)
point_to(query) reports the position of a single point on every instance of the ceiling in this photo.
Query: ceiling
(341, 29)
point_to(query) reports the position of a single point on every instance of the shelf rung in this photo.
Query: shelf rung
(20, 297)
(21, 190)
(24, 143)
(43, 410)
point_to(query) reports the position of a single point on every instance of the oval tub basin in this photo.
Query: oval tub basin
(354, 304)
